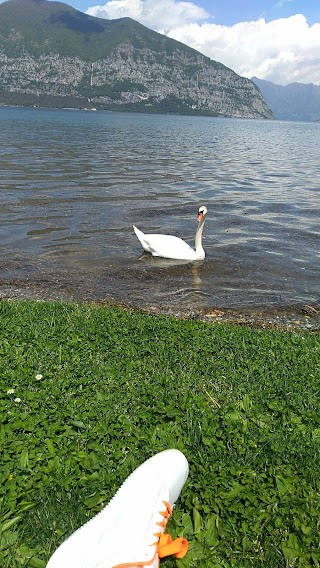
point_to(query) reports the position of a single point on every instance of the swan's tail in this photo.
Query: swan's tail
(139, 233)
(141, 236)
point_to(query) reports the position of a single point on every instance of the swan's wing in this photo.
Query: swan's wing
(165, 246)
(168, 246)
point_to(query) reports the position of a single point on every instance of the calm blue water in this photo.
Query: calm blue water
(72, 183)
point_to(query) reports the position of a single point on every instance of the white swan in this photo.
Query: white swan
(167, 246)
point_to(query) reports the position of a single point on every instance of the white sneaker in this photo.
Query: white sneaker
(129, 531)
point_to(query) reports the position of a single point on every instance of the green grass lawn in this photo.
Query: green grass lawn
(118, 386)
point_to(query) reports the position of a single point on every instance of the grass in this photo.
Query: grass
(118, 386)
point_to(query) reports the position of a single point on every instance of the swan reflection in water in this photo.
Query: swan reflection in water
(170, 273)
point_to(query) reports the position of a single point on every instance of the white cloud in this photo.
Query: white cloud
(161, 15)
(282, 51)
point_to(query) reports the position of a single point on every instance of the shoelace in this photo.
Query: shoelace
(166, 546)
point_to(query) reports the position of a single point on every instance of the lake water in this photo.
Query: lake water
(72, 183)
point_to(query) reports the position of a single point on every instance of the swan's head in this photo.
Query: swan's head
(202, 213)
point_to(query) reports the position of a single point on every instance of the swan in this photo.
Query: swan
(168, 246)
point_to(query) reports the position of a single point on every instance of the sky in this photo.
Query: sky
(275, 40)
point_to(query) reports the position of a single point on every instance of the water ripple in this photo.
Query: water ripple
(73, 183)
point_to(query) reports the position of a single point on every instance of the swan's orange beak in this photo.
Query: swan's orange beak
(200, 215)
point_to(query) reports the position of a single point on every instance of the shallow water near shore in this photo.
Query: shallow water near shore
(72, 183)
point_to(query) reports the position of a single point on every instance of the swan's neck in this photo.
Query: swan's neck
(198, 239)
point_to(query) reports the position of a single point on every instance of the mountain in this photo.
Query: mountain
(54, 55)
(296, 101)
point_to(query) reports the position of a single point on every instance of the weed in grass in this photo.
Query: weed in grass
(118, 386)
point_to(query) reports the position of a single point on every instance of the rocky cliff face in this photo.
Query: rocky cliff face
(137, 69)
(139, 77)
